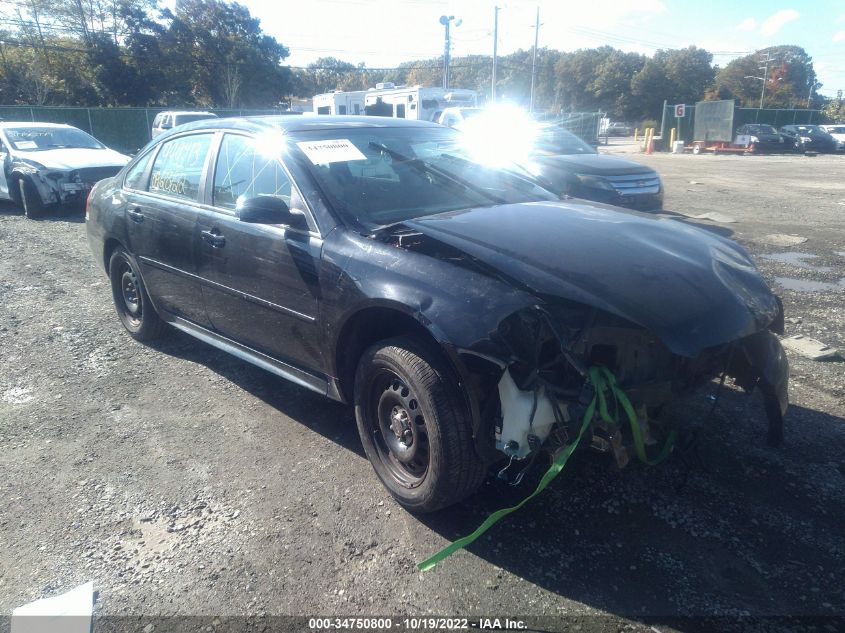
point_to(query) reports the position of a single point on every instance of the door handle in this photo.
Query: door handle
(213, 238)
(135, 215)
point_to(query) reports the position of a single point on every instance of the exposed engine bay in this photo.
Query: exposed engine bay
(542, 392)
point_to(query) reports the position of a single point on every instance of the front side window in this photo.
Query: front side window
(177, 169)
(244, 170)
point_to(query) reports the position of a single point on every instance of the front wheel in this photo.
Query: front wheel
(131, 300)
(33, 206)
(414, 425)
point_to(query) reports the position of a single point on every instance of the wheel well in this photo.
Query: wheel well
(14, 187)
(109, 248)
(366, 328)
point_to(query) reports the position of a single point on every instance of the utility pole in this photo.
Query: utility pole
(495, 48)
(765, 69)
(446, 20)
(534, 60)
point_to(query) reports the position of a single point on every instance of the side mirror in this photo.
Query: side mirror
(267, 209)
(165, 126)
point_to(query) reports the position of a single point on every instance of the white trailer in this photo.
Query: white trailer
(339, 102)
(415, 102)
(401, 102)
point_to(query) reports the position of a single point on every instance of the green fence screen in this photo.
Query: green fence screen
(123, 129)
(686, 125)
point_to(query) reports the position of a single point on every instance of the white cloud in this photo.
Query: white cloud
(775, 22)
(839, 36)
(748, 24)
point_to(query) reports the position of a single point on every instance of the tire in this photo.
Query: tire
(414, 426)
(131, 300)
(33, 206)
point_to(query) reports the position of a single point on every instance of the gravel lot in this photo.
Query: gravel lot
(183, 481)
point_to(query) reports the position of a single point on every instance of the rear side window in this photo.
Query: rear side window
(177, 169)
(135, 176)
(243, 172)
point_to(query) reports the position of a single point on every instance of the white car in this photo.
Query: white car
(456, 117)
(170, 119)
(51, 164)
(837, 131)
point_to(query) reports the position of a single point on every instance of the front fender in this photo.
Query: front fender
(48, 190)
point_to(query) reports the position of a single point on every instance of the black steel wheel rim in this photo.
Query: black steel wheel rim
(130, 292)
(398, 429)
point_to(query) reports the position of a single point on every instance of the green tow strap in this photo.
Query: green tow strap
(602, 380)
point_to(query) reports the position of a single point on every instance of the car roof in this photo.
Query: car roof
(177, 112)
(300, 123)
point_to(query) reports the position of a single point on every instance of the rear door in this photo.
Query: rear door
(161, 209)
(260, 282)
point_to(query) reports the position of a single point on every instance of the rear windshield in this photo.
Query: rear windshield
(189, 118)
(761, 129)
(557, 141)
(33, 139)
(380, 176)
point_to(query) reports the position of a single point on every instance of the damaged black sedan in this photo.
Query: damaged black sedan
(459, 307)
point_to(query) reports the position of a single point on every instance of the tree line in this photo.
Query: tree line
(214, 53)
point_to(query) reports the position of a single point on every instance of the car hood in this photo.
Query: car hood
(595, 164)
(76, 158)
(691, 288)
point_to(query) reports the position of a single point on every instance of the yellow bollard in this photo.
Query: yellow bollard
(672, 136)
(636, 133)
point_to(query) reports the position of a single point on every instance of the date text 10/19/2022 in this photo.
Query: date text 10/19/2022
(414, 624)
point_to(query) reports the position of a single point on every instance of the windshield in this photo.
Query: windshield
(836, 129)
(380, 176)
(557, 141)
(33, 139)
(810, 129)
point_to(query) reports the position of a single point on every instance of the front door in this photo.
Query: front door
(161, 217)
(260, 282)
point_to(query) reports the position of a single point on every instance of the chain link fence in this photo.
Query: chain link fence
(123, 129)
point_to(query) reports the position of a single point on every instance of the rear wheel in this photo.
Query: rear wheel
(131, 300)
(414, 425)
(33, 206)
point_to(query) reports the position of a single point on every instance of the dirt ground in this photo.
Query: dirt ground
(184, 482)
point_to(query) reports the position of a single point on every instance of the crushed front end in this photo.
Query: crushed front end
(542, 389)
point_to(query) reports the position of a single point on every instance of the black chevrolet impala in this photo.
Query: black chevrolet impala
(458, 307)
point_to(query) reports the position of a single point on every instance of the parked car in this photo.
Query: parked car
(49, 164)
(164, 121)
(456, 117)
(570, 166)
(617, 128)
(809, 138)
(457, 306)
(759, 137)
(837, 131)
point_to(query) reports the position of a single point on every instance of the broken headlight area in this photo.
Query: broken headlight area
(543, 391)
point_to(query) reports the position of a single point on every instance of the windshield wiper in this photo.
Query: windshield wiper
(424, 167)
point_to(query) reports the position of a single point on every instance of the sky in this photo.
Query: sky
(383, 33)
